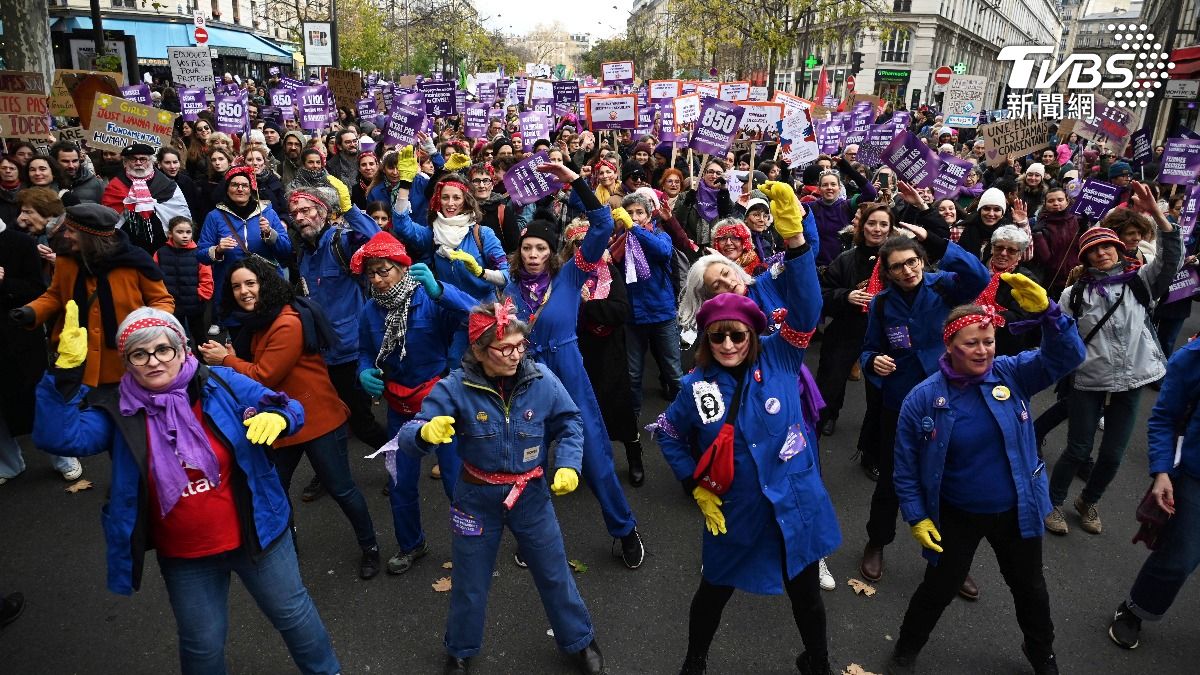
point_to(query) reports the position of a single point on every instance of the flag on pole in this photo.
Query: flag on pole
(822, 86)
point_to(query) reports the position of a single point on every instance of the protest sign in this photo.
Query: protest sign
(22, 82)
(284, 99)
(367, 107)
(791, 103)
(345, 85)
(664, 89)
(138, 93)
(667, 129)
(314, 107)
(486, 92)
(1017, 137)
(1185, 284)
(540, 89)
(439, 98)
(862, 115)
(191, 101)
(404, 121)
(912, 160)
(460, 100)
(525, 184)
(191, 67)
(687, 108)
(1190, 212)
(616, 72)
(799, 140)
(1180, 161)
(71, 135)
(951, 176)
(757, 94)
(612, 111)
(829, 135)
(1095, 199)
(1141, 146)
(1110, 125)
(645, 123)
(566, 91)
(86, 83)
(543, 105)
(707, 89)
(963, 100)
(901, 118)
(535, 124)
(733, 91)
(232, 113)
(718, 124)
(290, 83)
(761, 115)
(24, 107)
(475, 119)
(116, 123)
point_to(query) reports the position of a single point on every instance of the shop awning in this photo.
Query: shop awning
(153, 38)
(1187, 63)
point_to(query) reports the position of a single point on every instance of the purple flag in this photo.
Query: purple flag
(913, 161)
(138, 93)
(1096, 198)
(718, 124)
(439, 98)
(404, 121)
(233, 116)
(314, 107)
(1180, 161)
(475, 119)
(525, 184)
(535, 124)
(191, 101)
(951, 175)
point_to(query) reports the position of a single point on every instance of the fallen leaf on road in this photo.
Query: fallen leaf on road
(855, 669)
(578, 566)
(84, 484)
(861, 587)
(448, 565)
(442, 585)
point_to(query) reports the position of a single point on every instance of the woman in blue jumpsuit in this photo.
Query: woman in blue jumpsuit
(775, 522)
(549, 301)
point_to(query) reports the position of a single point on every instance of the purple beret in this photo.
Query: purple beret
(731, 307)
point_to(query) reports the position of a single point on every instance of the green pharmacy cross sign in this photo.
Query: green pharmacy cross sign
(960, 68)
(811, 61)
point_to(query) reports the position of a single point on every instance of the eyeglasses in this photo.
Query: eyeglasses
(140, 159)
(203, 128)
(239, 186)
(898, 267)
(380, 272)
(713, 172)
(162, 354)
(726, 239)
(736, 336)
(1006, 249)
(507, 350)
(481, 181)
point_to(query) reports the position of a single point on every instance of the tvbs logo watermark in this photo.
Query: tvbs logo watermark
(1129, 77)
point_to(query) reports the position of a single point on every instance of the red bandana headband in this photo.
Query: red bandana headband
(436, 202)
(243, 170)
(149, 322)
(479, 323)
(299, 195)
(989, 317)
(577, 230)
(604, 162)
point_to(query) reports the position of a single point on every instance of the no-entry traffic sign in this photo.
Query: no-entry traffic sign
(850, 83)
(942, 75)
(201, 35)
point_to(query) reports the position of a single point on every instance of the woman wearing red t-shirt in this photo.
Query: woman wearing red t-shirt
(212, 504)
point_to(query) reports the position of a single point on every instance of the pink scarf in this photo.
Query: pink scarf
(139, 199)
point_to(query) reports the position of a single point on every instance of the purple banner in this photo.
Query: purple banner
(525, 184)
(475, 119)
(913, 161)
(1185, 284)
(404, 121)
(314, 107)
(1140, 140)
(1095, 199)
(439, 98)
(1190, 212)
(138, 93)
(535, 124)
(366, 108)
(718, 124)
(566, 91)
(1180, 161)
(951, 176)
(191, 101)
(666, 121)
(486, 92)
(232, 113)
(863, 115)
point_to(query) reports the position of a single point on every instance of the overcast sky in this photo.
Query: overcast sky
(596, 17)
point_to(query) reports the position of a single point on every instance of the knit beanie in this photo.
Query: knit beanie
(992, 197)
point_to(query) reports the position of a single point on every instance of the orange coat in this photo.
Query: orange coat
(280, 363)
(130, 290)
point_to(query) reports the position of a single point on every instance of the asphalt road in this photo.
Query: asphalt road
(54, 553)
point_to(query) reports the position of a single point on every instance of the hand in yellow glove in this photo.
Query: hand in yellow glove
(407, 166)
(457, 162)
(72, 341)
(785, 208)
(621, 217)
(438, 430)
(565, 481)
(265, 427)
(467, 259)
(926, 534)
(1028, 294)
(710, 506)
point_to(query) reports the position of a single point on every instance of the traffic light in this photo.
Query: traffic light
(856, 62)
(445, 47)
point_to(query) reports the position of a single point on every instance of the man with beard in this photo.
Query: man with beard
(107, 164)
(107, 277)
(289, 166)
(344, 164)
(146, 199)
(84, 184)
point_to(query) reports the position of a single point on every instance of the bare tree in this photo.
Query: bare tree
(27, 37)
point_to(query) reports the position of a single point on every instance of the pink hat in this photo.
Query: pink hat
(731, 307)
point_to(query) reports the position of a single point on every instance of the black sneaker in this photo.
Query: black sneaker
(1125, 627)
(1045, 666)
(403, 562)
(312, 491)
(694, 665)
(368, 567)
(632, 550)
(11, 607)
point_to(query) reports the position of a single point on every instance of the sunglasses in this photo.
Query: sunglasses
(736, 336)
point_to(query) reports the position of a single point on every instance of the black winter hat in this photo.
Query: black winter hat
(541, 229)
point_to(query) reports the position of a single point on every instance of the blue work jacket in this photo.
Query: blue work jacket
(421, 247)
(1174, 412)
(431, 327)
(331, 284)
(216, 227)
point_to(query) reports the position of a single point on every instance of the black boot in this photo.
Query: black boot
(456, 666)
(590, 661)
(809, 664)
(694, 665)
(633, 454)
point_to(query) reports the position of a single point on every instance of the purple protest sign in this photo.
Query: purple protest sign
(232, 113)
(475, 119)
(439, 98)
(1095, 199)
(314, 107)
(191, 101)
(460, 100)
(284, 100)
(271, 112)
(719, 122)
(138, 93)
(1180, 161)
(1185, 284)
(486, 92)
(535, 124)
(901, 118)
(666, 121)
(290, 83)
(863, 115)
(366, 107)
(525, 184)
(913, 161)
(543, 105)
(1140, 140)
(566, 91)
(1190, 213)
(645, 122)
(950, 177)
(829, 135)
(404, 121)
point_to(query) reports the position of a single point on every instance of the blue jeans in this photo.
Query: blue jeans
(403, 493)
(328, 455)
(535, 527)
(12, 462)
(1084, 409)
(1165, 571)
(199, 592)
(663, 340)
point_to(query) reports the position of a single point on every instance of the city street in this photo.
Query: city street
(54, 554)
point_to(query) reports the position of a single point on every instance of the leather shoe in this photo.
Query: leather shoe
(827, 427)
(590, 661)
(968, 590)
(871, 566)
(456, 666)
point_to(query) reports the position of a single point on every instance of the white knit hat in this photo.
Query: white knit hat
(1036, 167)
(992, 197)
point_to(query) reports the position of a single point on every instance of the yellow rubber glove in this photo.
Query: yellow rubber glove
(621, 217)
(407, 166)
(785, 208)
(457, 162)
(265, 427)
(438, 430)
(710, 506)
(72, 341)
(1028, 294)
(467, 259)
(926, 534)
(565, 481)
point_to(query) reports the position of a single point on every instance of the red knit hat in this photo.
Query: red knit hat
(738, 230)
(382, 245)
(1097, 236)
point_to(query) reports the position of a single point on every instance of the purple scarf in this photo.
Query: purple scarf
(956, 378)
(1097, 284)
(174, 435)
(706, 201)
(811, 401)
(533, 288)
(637, 268)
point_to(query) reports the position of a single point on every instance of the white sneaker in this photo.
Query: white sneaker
(827, 581)
(74, 471)
(1101, 425)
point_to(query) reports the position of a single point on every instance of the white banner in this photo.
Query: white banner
(191, 67)
(318, 43)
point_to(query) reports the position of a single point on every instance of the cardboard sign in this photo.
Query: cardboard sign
(687, 108)
(116, 123)
(1095, 199)
(660, 90)
(24, 116)
(1017, 137)
(71, 135)
(525, 184)
(963, 100)
(718, 124)
(612, 111)
(1180, 161)
(191, 67)
(616, 72)
(733, 91)
(83, 82)
(761, 115)
(913, 161)
(346, 86)
(21, 82)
